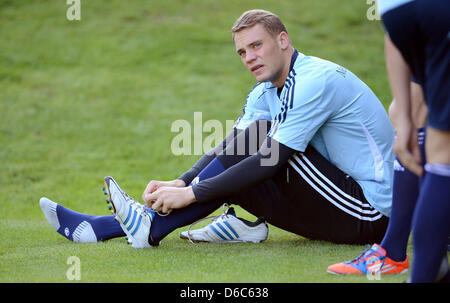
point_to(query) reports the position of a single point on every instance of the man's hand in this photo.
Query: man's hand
(406, 146)
(166, 199)
(153, 185)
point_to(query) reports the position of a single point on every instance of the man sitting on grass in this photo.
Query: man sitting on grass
(322, 165)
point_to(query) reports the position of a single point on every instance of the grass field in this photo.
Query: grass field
(80, 100)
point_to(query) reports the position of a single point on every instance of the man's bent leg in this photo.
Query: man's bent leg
(242, 146)
(300, 201)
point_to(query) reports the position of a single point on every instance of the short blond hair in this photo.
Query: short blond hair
(271, 22)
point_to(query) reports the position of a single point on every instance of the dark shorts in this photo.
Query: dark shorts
(421, 31)
(311, 197)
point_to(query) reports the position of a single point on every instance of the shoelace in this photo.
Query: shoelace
(141, 210)
(366, 251)
(129, 199)
(132, 201)
(356, 260)
(213, 219)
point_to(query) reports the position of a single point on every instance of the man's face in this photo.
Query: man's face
(260, 52)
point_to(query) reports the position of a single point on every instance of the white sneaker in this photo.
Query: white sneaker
(227, 228)
(133, 217)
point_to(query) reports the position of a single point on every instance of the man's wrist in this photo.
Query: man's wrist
(179, 183)
(190, 194)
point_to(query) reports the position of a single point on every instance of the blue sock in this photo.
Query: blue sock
(163, 225)
(404, 197)
(431, 224)
(79, 227)
(105, 227)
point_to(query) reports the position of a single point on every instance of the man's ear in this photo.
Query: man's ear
(283, 40)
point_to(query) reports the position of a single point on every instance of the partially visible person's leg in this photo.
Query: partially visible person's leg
(419, 29)
(431, 223)
(404, 196)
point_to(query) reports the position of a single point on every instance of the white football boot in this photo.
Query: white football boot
(134, 218)
(227, 228)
